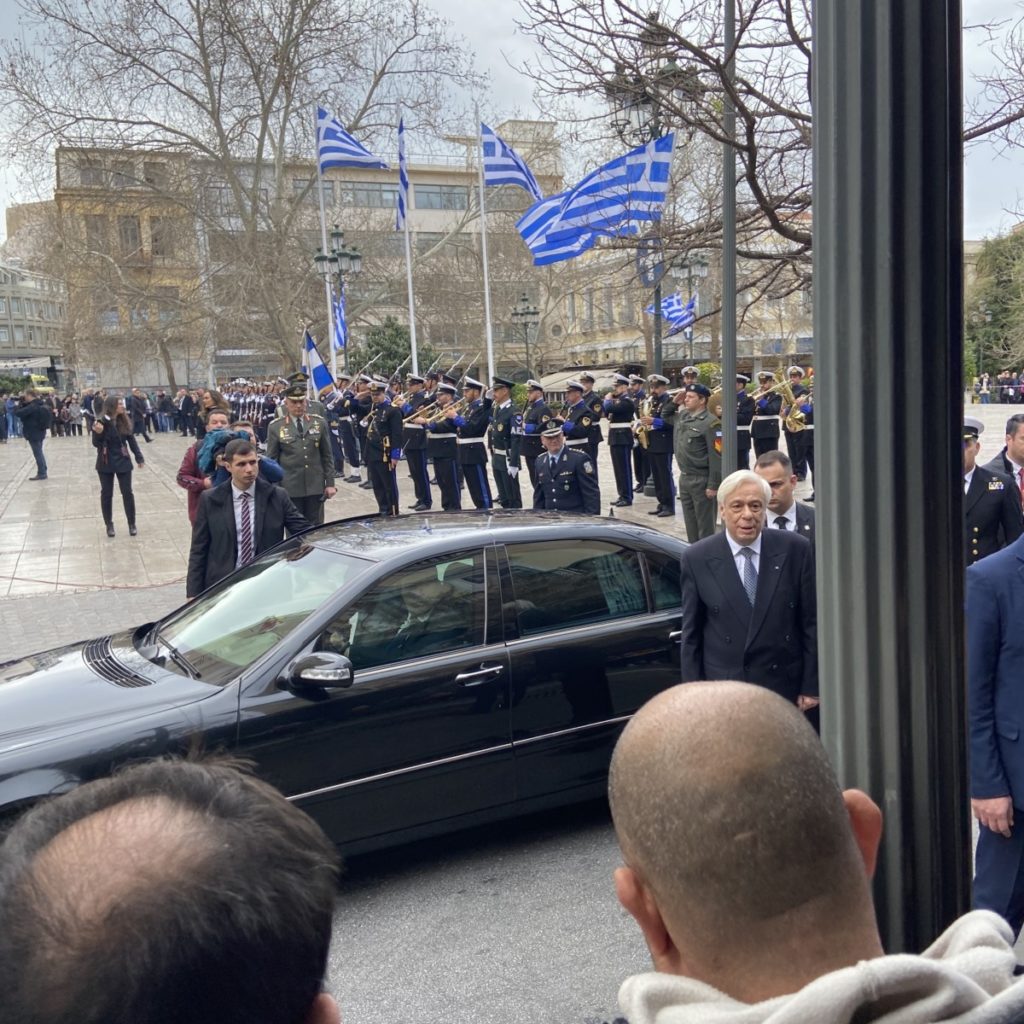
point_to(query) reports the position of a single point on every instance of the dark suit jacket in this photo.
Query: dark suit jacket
(1000, 464)
(992, 514)
(805, 521)
(215, 541)
(995, 654)
(775, 643)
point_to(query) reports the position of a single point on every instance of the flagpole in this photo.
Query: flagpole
(483, 244)
(408, 268)
(328, 288)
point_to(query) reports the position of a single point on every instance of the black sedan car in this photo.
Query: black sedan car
(394, 677)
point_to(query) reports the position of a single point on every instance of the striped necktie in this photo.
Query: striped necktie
(246, 536)
(749, 575)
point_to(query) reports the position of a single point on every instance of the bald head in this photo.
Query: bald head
(728, 811)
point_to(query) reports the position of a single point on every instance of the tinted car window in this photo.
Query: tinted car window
(664, 573)
(559, 584)
(429, 608)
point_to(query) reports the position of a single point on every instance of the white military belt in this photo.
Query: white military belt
(620, 426)
(743, 427)
(471, 440)
(413, 426)
(776, 418)
(576, 442)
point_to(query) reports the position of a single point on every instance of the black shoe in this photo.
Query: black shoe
(421, 507)
(621, 503)
(414, 508)
(665, 513)
(147, 439)
(132, 530)
(353, 479)
(656, 511)
(37, 477)
(366, 485)
(110, 529)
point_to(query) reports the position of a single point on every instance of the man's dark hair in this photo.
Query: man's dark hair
(173, 891)
(239, 446)
(775, 458)
(1013, 424)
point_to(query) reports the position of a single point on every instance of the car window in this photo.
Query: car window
(428, 608)
(559, 584)
(664, 572)
(228, 628)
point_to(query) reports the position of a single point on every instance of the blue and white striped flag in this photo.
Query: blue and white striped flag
(678, 316)
(314, 366)
(340, 324)
(336, 148)
(620, 198)
(403, 179)
(504, 166)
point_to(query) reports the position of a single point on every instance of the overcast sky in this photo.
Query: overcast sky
(994, 182)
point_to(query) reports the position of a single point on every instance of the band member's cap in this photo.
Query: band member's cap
(296, 391)
(692, 370)
(555, 430)
(766, 375)
(449, 380)
(742, 378)
(795, 371)
(364, 378)
(377, 386)
(433, 375)
(698, 389)
(635, 378)
(618, 378)
(534, 385)
(586, 375)
(448, 389)
(344, 376)
(574, 385)
(501, 382)
(414, 378)
(972, 428)
(472, 382)
(657, 378)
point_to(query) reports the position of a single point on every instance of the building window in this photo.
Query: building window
(3, 305)
(30, 333)
(92, 175)
(19, 334)
(122, 175)
(441, 197)
(570, 307)
(588, 310)
(129, 235)
(154, 173)
(138, 316)
(110, 319)
(161, 236)
(16, 305)
(372, 195)
(96, 239)
(5, 335)
(302, 187)
(628, 308)
(219, 200)
(607, 308)
(167, 304)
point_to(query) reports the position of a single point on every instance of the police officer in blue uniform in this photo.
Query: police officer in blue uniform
(619, 408)
(566, 481)
(506, 441)
(536, 417)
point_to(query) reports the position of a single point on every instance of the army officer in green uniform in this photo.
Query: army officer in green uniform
(697, 441)
(299, 441)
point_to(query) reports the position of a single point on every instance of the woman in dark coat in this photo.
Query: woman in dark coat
(112, 437)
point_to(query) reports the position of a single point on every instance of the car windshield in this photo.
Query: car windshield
(225, 630)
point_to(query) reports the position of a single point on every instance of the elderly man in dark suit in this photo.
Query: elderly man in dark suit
(784, 511)
(238, 520)
(995, 654)
(748, 600)
(992, 502)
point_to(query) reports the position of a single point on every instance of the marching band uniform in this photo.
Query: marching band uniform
(795, 439)
(472, 445)
(442, 447)
(764, 428)
(536, 416)
(640, 468)
(383, 448)
(620, 409)
(595, 405)
(745, 409)
(414, 438)
(506, 442)
(660, 448)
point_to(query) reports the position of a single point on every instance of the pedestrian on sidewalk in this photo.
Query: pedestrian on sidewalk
(112, 435)
(35, 419)
(189, 474)
(136, 409)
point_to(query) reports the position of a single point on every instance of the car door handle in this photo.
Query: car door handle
(479, 675)
(676, 636)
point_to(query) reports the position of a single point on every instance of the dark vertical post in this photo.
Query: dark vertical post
(888, 331)
(658, 362)
(730, 443)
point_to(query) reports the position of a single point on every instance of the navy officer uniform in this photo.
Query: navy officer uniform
(472, 441)
(595, 404)
(992, 507)
(442, 448)
(536, 417)
(745, 409)
(577, 418)
(414, 441)
(660, 445)
(764, 427)
(566, 481)
(640, 468)
(383, 449)
(620, 409)
(795, 438)
(506, 444)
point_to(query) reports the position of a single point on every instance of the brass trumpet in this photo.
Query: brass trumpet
(423, 410)
(440, 412)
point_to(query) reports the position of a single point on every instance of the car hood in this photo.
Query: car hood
(76, 687)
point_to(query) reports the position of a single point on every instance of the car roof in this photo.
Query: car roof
(381, 537)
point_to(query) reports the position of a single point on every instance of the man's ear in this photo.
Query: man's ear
(323, 1011)
(637, 901)
(866, 822)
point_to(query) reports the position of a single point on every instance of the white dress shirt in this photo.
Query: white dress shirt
(738, 560)
(968, 477)
(789, 515)
(236, 499)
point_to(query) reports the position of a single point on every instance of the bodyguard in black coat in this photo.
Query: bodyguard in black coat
(215, 543)
(771, 641)
(992, 508)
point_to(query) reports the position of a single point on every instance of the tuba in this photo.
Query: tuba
(793, 419)
(715, 403)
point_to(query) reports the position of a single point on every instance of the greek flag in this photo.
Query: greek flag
(504, 166)
(340, 324)
(678, 316)
(403, 178)
(619, 198)
(336, 148)
(314, 366)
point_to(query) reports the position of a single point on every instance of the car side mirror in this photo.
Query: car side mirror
(321, 670)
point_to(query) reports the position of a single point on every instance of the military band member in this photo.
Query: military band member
(795, 439)
(443, 449)
(595, 404)
(764, 427)
(566, 481)
(745, 409)
(619, 408)
(690, 375)
(361, 405)
(346, 428)
(660, 428)
(414, 438)
(536, 417)
(298, 441)
(472, 425)
(383, 449)
(506, 443)
(640, 468)
(698, 449)
(577, 417)
(992, 502)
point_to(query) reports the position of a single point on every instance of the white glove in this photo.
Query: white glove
(513, 471)
(489, 394)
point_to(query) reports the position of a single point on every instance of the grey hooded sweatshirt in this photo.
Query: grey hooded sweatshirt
(967, 976)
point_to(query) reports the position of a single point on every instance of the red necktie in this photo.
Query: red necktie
(1020, 478)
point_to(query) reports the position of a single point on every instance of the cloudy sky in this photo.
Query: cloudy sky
(994, 181)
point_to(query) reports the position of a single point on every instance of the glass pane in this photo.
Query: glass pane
(559, 585)
(227, 629)
(429, 608)
(664, 573)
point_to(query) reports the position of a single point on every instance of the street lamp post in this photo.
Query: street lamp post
(693, 269)
(336, 266)
(527, 314)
